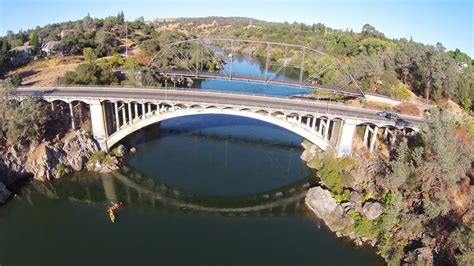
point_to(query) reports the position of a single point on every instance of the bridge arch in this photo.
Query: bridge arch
(138, 124)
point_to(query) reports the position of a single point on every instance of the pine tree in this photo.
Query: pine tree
(34, 41)
(5, 45)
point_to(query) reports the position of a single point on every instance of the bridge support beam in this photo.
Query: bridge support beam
(98, 124)
(344, 147)
(373, 140)
(117, 118)
(71, 110)
(373, 137)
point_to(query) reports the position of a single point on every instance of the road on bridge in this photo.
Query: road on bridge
(195, 96)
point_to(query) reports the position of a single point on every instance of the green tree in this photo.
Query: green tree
(34, 41)
(5, 45)
(20, 121)
(444, 163)
(90, 55)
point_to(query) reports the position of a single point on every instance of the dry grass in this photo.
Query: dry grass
(408, 109)
(377, 106)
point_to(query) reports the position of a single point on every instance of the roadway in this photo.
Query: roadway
(207, 97)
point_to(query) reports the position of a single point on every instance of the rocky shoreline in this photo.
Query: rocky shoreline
(354, 214)
(48, 160)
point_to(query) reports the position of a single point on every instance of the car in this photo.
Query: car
(392, 116)
(382, 114)
(388, 115)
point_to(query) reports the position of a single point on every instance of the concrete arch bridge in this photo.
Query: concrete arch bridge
(118, 112)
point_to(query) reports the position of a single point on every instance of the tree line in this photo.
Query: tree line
(380, 64)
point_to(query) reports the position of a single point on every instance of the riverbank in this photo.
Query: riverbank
(51, 159)
(354, 208)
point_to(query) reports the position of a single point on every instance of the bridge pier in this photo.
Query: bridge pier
(344, 147)
(71, 114)
(98, 124)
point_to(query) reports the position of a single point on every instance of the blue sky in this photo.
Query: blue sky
(427, 21)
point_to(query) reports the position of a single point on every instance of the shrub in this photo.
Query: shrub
(363, 226)
(333, 171)
(97, 157)
(61, 170)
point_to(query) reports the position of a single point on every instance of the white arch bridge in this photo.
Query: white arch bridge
(118, 112)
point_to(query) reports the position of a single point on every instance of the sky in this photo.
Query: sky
(450, 22)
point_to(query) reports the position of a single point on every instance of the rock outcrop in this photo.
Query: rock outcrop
(326, 208)
(46, 160)
(372, 210)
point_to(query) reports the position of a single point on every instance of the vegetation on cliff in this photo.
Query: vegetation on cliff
(424, 188)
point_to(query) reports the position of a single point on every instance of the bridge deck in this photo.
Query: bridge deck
(279, 82)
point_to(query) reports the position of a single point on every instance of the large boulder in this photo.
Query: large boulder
(321, 202)
(372, 210)
(4, 193)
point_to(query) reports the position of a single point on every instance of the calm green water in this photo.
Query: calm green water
(202, 190)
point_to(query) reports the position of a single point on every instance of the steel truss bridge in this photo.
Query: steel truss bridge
(192, 58)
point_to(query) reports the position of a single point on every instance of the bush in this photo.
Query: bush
(97, 157)
(363, 226)
(61, 170)
(333, 171)
(400, 92)
(466, 104)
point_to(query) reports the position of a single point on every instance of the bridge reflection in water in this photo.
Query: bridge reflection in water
(141, 191)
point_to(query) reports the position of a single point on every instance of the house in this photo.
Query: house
(21, 54)
(51, 47)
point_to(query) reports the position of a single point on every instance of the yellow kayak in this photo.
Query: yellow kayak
(112, 216)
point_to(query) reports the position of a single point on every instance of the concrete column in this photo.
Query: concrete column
(347, 136)
(320, 128)
(394, 136)
(326, 129)
(385, 132)
(136, 110)
(80, 113)
(130, 113)
(117, 118)
(373, 139)
(71, 110)
(366, 136)
(300, 119)
(124, 115)
(52, 106)
(313, 126)
(143, 110)
(308, 122)
(98, 124)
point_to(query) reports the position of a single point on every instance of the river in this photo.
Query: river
(247, 66)
(200, 190)
(211, 190)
